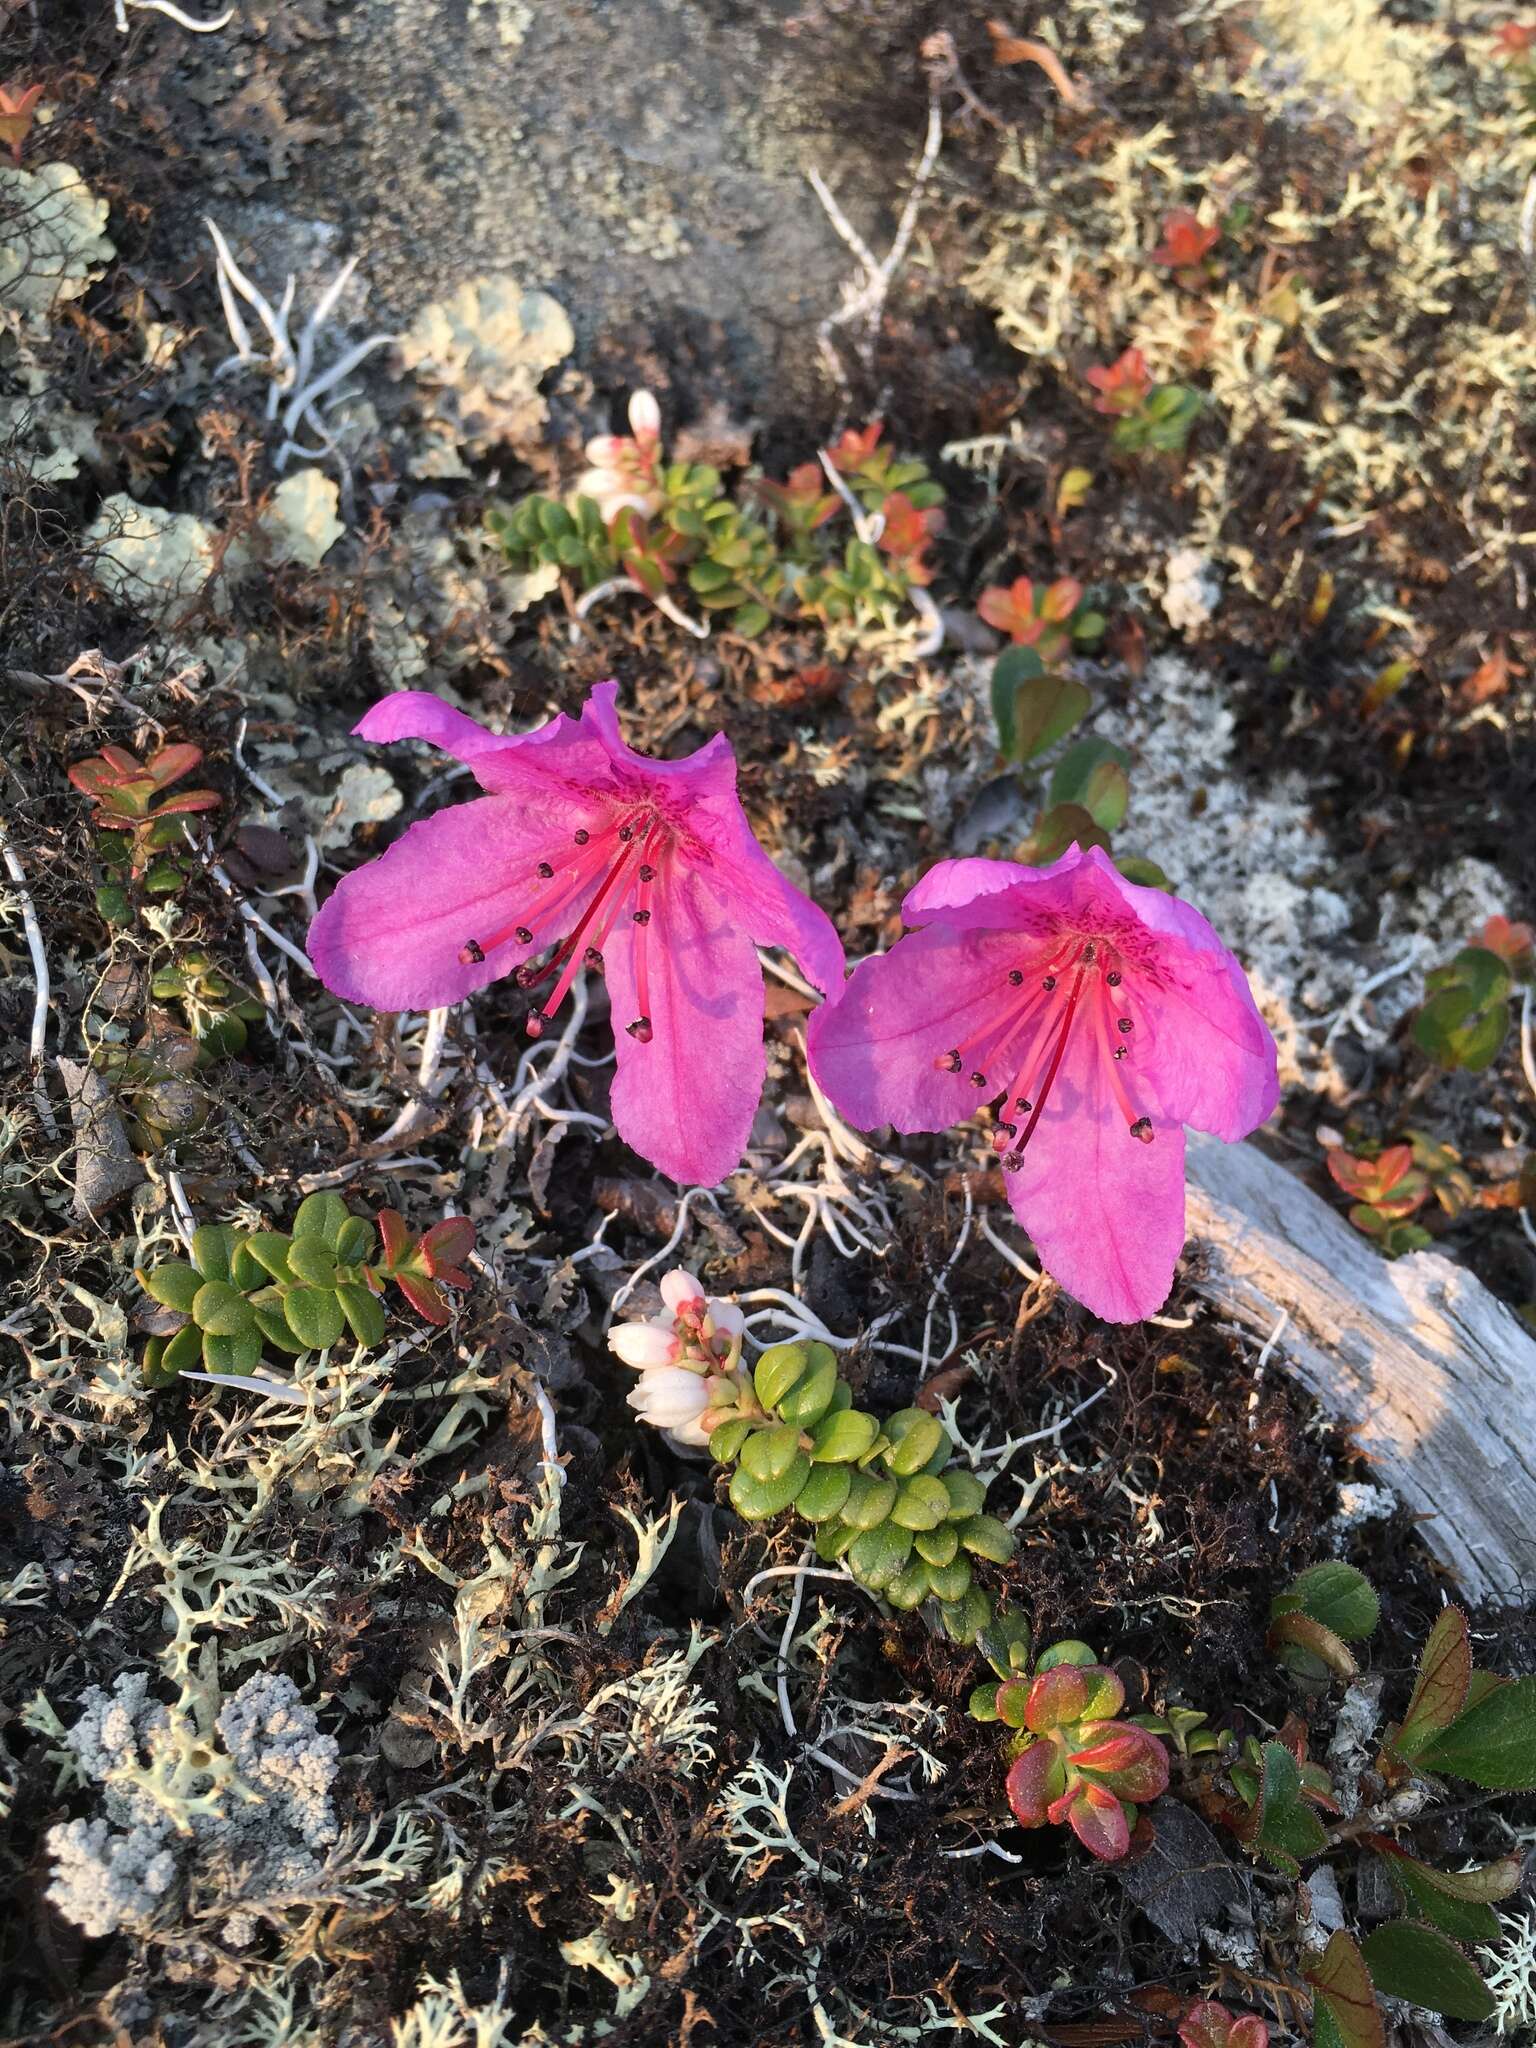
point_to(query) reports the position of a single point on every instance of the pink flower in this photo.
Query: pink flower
(672, 1398)
(626, 468)
(1106, 1016)
(583, 852)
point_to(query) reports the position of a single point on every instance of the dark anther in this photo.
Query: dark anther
(952, 1061)
(1119, 1052)
(626, 833)
(524, 936)
(1008, 1130)
(1012, 1161)
(1023, 1105)
(647, 873)
(546, 872)
(1016, 977)
(1090, 951)
(1142, 1129)
(978, 1079)
(592, 957)
(641, 916)
(1122, 1023)
(471, 953)
(1049, 983)
(533, 1024)
(1113, 980)
(640, 1030)
(582, 836)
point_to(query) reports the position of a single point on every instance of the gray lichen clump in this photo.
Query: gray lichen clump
(231, 1819)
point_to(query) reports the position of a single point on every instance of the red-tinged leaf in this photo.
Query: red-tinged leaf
(1098, 1820)
(1440, 1691)
(425, 1297)
(396, 1237)
(1492, 1743)
(1061, 600)
(1302, 1632)
(1073, 1692)
(448, 1244)
(171, 763)
(189, 800)
(1036, 1778)
(1343, 1986)
(1482, 1886)
(1129, 1761)
(1209, 2025)
(1011, 610)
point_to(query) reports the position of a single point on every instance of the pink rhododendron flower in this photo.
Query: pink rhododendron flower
(584, 852)
(1107, 1016)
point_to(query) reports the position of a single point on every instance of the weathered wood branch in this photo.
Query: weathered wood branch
(1435, 1376)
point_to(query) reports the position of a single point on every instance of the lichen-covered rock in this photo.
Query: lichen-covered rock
(479, 356)
(51, 241)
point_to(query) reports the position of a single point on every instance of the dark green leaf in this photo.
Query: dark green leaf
(1015, 665)
(1440, 1691)
(220, 1309)
(1092, 773)
(1492, 1743)
(364, 1312)
(314, 1316)
(914, 1437)
(173, 1283)
(1408, 1960)
(756, 1499)
(1346, 1997)
(1339, 1597)
(1044, 711)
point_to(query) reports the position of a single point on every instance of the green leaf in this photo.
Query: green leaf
(985, 1536)
(1288, 1831)
(364, 1312)
(221, 1310)
(311, 1260)
(727, 1438)
(1044, 711)
(964, 1619)
(967, 1495)
(824, 1493)
(212, 1244)
(780, 1367)
(182, 1352)
(1015, 665)
(937, 1546)
(832, 1539)
(1456, 1901)
(173, 1283)
(811, 1396)
(236, 1353)
(982, 1704)
(869, 1501)
(1339, 1598)
(1057, 829)
(755, 1500)
(950, 1581)
(321, 1215)
(269, 1248)
(1092, 773)
(768, 1453)
(1440, 1691)
(113, 905)
(1409, 1960)
(914, 1437)
(273, 1325)
(878, 1554)
(921, 1504)
(751, 619)
(355, 1241)
(1146, 874)
(314, 1316)
(1493, 1743)
(843, 1437)
(1346, 1997)
(1309, 1649)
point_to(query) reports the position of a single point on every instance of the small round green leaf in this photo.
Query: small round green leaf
(269, 1248)
(824, 1493)
(768, 1453)
(878, 1554)
(869, 1500)
(221, 1310)
(967, 1495)
(364, 1313)
(314, 1316)
(950, 1581)
(937, 1546)
(311, 1260)
(914, 1437)
(212, 1244)
(182, 1351)
(779, 1368)
(755, 1499)
(921, 1503)
(811, 1396)
(240, 1353)
(910, 1586)
(727, 1438)
(985, 1536)
(174, 1284)
(842, 1438)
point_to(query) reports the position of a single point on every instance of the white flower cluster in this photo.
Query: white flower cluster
(174, 1805)
(686, 1358)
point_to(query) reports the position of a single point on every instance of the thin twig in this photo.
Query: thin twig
(42, 982)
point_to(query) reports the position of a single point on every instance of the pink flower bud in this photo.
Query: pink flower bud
(682, 1293)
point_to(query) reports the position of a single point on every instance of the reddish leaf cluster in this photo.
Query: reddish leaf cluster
(1124, 386)
(1033, 619)
(1185, 245)
(1079, 1765)
(422, 1267)
(124, 790)
(16, 114)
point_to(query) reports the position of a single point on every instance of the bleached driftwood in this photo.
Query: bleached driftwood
(1435, 1376)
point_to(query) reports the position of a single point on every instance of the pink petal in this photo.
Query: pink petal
(1098, 1820)
(645, 1346)
(962, 892)
(873, 1049)
(711, 768)
(679, 1289)
(391, 933)
(685, 1101)
(772, 910)
(1105, 1211)
(554, 754)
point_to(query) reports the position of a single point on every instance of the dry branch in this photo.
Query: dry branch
(1434, 1375)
